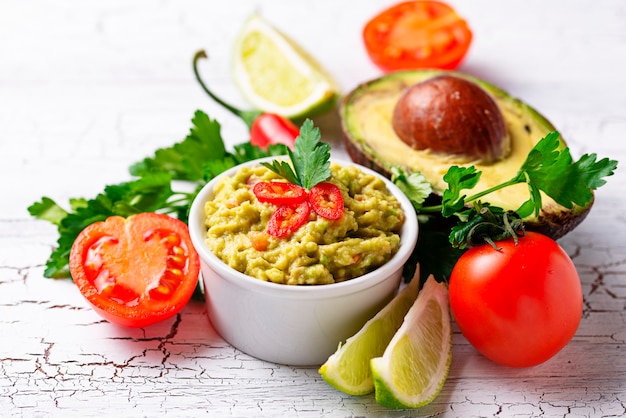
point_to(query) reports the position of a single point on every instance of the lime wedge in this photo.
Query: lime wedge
(415, 364)
(348, 369)
(277, 76)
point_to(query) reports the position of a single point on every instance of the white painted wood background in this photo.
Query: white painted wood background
(87, 88)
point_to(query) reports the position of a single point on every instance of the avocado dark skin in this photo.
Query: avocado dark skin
(379, 132)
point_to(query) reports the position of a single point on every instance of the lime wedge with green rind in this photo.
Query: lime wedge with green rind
(348, 369)
(276, 75)
(414, 367)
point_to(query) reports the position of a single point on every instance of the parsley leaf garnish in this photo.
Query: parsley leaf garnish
(186, 160)
(458, 178)
(548, 169)
(413, 184)
(310, 159)
(576, 180)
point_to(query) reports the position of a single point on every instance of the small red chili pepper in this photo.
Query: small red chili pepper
(287, 219)
(279, 192)
(326, 200)
(265, 128)
(270, 128)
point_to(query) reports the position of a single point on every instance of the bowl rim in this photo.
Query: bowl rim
(408, 239)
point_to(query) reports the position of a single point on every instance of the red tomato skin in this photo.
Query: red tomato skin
(518, 306)
(270, 128)
(387, 55)
(143, 314)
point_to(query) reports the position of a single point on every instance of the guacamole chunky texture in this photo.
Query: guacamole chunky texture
(321, 251)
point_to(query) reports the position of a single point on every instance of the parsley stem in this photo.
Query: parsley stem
(476, 196)
(485, 192)
(430, 209)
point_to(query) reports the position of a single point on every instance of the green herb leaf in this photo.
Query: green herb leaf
(310, 159)
(543, 162)
(549, 168)
(47, 210)
(485, 223)
(413, 184)
(247, 152)
(576, 181)
(185, 160)
(458, 178)
(283, 169)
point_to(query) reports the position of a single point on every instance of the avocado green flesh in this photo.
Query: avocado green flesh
(369, 136)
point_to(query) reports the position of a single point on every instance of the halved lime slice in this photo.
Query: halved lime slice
(277, 76)
(348, 369)
(415, 365)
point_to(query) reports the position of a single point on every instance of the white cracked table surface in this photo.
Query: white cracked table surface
(87, 88)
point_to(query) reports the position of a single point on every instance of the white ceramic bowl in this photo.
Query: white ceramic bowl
(294, 325)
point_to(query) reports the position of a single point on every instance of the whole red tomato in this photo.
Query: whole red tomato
(520, 304)
(135, 271)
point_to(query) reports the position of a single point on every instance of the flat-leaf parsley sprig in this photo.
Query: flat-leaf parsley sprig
(308, 189)
(548, 168)
(310, 158)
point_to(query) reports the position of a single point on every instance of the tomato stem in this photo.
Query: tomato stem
(248, 116)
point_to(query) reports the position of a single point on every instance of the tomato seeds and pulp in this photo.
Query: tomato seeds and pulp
(417, 34)
(135, 271)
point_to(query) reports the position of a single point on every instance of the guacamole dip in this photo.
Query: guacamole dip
(321, 251)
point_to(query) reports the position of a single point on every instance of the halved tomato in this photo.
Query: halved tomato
(135, 271)
(417, 34)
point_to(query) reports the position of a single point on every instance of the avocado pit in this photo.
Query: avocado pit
(453, 116)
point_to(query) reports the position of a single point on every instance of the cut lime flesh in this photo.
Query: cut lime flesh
(348, 369)
(278, 76)
(415, 364)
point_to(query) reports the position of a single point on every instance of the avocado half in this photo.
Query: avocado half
(368, 135)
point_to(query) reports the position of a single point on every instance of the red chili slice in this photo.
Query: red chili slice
(287, 219)
(279, 192)
(326, 200)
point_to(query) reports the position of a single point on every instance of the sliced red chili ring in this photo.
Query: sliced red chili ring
(326, 200)
(287, 219)
(279, 192)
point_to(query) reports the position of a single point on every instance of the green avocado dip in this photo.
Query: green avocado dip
(321, 251)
